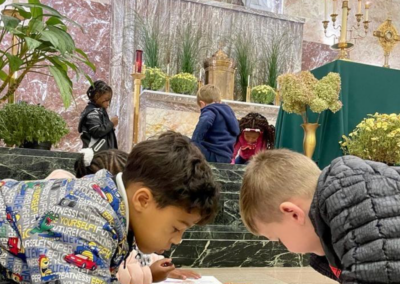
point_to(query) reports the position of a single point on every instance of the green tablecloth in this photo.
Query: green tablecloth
(365, 90)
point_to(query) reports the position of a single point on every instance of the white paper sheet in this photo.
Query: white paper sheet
(202, 280)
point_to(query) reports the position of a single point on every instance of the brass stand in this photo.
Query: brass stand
(199, 84)
(343, 49)
(277, 99)
(248, 92)
(138, 77)
(167, 87)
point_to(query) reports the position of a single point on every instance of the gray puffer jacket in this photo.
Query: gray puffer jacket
(356, 214)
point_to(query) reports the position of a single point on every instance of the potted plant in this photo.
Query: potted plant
(376, 138)
(30, 126)
(35, 39)
(183, 83)
(154, 80)
(303, 92)
(262, 94)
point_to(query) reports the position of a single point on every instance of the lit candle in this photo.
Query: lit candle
(366, 11)
(168, 69)
(139, 61)
(343, 31)
(334, 6)
(359, 7)
(326, 10)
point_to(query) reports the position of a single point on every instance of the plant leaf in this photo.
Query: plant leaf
(3, 75)
(61, 40)
(32, 43)
(54, 21)
(87, 61)
(10, 22)
(64, 84)
(36, 26)
(14, 61)
(2, 1)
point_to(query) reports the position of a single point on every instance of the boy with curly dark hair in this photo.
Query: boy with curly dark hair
(81, 230)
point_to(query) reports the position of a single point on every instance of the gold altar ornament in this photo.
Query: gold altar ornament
(220, 71)
(388, 38)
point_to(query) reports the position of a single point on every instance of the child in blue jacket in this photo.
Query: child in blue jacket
(217, 129)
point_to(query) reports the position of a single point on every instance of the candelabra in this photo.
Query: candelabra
(342, 42)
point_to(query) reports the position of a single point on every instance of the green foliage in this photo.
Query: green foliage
(244, 56)
(274, 57)
(262, 94)
(154, 80)
(23, 122)
(183, 83)
(376, 138)
(43, 46)
(188, 53)
(150, 39)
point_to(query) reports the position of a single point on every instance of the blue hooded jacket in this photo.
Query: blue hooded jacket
(217, 129)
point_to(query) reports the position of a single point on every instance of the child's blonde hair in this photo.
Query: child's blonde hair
(273, 177)
(209, 94)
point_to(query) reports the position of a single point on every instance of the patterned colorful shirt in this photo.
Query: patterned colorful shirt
(63, 231)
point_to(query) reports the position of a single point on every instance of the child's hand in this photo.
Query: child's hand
(114, 120)
(160, 269)
(183, 274)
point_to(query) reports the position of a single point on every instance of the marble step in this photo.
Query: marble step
(229, 246)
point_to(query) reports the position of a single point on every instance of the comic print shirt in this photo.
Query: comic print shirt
(62, 231)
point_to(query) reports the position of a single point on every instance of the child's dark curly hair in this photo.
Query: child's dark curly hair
(257, 121)
(98, 89)
(176, 172)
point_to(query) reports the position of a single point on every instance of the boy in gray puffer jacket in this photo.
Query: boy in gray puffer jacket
(347, 217)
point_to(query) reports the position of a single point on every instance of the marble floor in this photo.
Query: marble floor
(304, 275)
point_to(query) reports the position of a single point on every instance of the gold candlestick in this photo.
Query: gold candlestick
(199, 84)
(342, 42)
(138, 77)
(167, 87)
(248, 92)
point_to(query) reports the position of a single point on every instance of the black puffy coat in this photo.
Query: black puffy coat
(94, 124)
(356, 214)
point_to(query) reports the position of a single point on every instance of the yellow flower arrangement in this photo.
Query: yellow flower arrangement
(302, 91)
(375, 138)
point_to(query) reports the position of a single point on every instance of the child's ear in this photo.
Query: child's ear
(141, 199)
(293, 212)
(202, 104)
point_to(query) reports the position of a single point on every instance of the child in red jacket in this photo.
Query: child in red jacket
(255, 135)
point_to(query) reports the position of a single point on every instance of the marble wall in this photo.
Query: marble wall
(95, 18)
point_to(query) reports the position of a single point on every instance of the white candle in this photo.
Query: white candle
(359, 7)
(326, 10)
(200, 75)
(343, 31)
(334, 6)
(366, 11)
(168, 69)
(248, 81)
